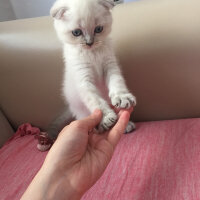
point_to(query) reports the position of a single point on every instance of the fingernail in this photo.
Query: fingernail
(125, 115)
(97, 112)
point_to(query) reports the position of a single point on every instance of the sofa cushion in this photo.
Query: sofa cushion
(160, 160)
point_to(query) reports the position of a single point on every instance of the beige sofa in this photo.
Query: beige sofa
(157, 44)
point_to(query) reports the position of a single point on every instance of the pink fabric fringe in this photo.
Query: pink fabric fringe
(27, 129)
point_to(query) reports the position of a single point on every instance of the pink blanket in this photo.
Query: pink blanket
(160, 161)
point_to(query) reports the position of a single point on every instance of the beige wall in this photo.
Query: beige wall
(19, 9)
(31, 8)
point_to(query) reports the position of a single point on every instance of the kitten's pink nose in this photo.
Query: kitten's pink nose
(89, 43)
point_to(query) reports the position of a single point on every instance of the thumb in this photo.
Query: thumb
(93, 120)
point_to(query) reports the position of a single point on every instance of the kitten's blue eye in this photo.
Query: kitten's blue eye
(77, 32)
(98, 29)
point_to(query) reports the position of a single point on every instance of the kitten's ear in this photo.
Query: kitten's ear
(58, 11)
(109, 4)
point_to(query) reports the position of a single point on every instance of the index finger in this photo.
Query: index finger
(130, 110)
(115, 134)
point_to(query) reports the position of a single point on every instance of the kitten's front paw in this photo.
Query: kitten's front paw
(109, 119)
(123, 100)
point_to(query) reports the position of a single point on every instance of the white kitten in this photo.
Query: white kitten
(92, 77)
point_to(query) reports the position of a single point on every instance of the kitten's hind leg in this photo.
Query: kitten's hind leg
(63, 119)
(130, 127)
(46, 139)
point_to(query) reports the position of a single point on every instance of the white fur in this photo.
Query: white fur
(92, 77)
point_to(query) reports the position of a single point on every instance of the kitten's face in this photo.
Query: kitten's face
(85, 23)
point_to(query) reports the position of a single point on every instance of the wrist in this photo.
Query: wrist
(59, 188)
(50, 185)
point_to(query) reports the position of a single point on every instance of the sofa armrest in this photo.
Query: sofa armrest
(6, 130)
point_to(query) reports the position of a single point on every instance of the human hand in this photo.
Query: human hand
(79, 156)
